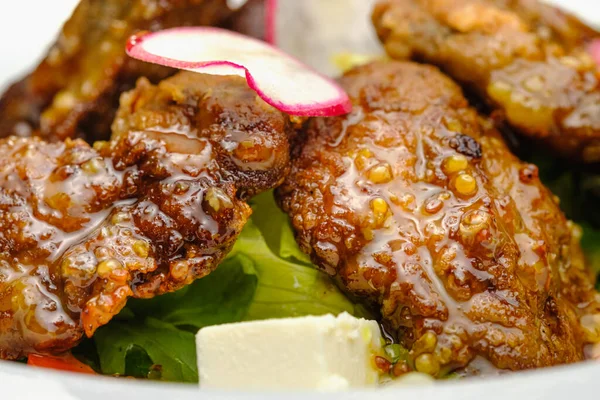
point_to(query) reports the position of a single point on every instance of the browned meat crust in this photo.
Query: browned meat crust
(82, 229)
(75, 90)
(415, 204)
(550, 22)
(528, 60)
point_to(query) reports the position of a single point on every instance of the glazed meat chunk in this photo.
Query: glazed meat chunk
(74, 92)
(415, 205)
(529, 61)
(83, 229)
(551, 23)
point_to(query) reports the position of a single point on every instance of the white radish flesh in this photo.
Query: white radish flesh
(278, 79)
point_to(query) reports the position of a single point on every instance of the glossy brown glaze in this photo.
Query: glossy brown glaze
(528, 60)
(82, 229)
(415, 204)
(74, 91)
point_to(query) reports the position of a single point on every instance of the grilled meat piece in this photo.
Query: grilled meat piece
(414, 204)
(83, 229)
(529, 61)
(75, 90)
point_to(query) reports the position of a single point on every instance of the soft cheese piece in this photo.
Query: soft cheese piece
(323, 353)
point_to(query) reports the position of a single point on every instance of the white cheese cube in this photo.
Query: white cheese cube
(323, 353)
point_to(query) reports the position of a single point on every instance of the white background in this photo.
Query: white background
(27, 27)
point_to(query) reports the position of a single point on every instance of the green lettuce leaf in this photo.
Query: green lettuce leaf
(288, 284)
(169, 348)
(590, 242)
(276, 230)
(578, 193)
(221, 297)
(265, 276)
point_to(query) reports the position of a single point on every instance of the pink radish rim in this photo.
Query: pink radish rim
(332, 108)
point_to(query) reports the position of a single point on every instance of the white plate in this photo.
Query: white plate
(568, 382)
(28, 27)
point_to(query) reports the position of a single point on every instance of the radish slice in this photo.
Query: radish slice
(277, 78)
